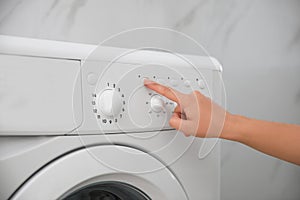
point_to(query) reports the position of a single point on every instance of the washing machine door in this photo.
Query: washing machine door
(108, 172)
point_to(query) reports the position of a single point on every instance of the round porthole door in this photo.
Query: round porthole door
(107, 190)
(108, 172)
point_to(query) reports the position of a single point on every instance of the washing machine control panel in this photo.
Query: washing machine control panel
(115, 98)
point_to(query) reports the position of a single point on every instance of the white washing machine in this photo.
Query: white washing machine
(76, 128)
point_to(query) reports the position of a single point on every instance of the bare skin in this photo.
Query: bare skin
(198, 116)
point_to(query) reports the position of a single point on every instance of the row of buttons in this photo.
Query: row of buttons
(186, 83)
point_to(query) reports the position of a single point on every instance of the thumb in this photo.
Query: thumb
(179, 124)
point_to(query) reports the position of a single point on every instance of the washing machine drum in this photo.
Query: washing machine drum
(109, 172)
(111, 190)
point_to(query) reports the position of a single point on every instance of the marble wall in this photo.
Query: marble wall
(258, 43)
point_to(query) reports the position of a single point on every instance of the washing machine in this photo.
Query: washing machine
(76, 122)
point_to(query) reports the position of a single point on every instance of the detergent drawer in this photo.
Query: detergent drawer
(37, 95)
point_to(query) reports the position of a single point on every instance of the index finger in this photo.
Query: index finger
(163, 90)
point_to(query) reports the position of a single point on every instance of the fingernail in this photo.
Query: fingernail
(147, 81)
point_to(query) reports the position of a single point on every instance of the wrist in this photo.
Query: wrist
(232, 129)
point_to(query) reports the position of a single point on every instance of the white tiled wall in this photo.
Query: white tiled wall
(258, 43)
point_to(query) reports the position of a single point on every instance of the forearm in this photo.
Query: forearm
(276, 139)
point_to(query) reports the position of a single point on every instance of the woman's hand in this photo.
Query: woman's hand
(195, 114)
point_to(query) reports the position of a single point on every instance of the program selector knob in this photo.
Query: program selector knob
(109, 102)
(157, 103)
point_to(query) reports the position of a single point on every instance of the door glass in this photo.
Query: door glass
(108, 191)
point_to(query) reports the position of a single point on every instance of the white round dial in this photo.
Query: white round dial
(109, 102)
(157, 103)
